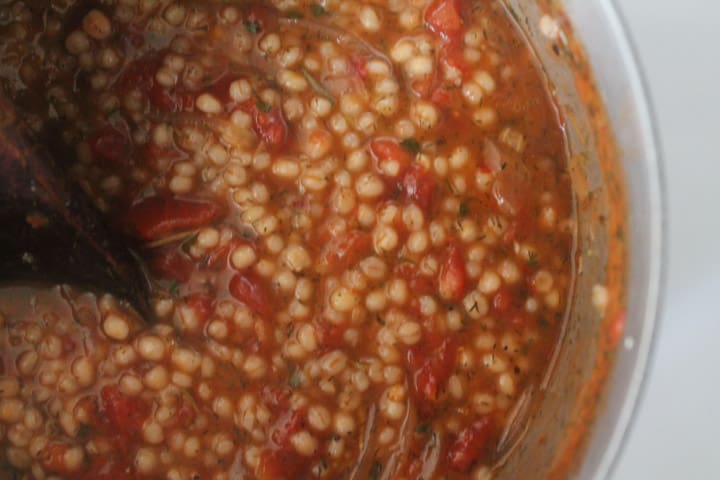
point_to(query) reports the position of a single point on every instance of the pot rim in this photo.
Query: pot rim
(642, 347)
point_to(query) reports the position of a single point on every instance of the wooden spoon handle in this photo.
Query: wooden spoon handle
(50, 232)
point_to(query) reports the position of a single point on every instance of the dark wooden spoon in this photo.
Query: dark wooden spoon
(50, 232)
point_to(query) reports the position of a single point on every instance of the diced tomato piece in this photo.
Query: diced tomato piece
(272, 465)
(271, 127)
(140, 74)
(445, 18)
(217, 256)
(286, 427)
(616, 329)
(414, 468)
(220, 254)
(156, 217)
(220, 88)
(331, 336)
(202, 305)
(439, 93)
(419, 284)
(424, 86)
(125, 414)
(385, 151)
(282, 461)
(470, 444)
(426, 382)
(509, 191)
(171, 100)
(441, 96)
(171, 264)
(52, 458)
(68, 344)
(265, 16)
(269, 124)
(107, 468)
(419, 187)
(250, 289)
(519, 319)
(432, 369)
(454, 57)
(359, 65)
(281, 464)
(136, 39)
(452, 277)
(343, 252)
(110, 146)
(502, 301)
(277, 397)
(184, 414)
(152, 152)
(429, 87)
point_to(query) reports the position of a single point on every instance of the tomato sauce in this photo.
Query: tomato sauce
(358, 225)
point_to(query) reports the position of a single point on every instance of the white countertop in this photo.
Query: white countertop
(675, 434)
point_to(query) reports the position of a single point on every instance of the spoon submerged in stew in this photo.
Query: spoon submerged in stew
(52, 233)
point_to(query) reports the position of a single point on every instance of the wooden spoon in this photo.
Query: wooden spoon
(50, 232)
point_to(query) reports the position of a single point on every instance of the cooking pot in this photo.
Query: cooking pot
(586, 404)
(574, 423)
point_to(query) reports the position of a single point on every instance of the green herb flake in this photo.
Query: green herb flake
(318, 10)
(252, 27)
(296, 14)
(464, 210)
(84, 431)
(533, 260)
(116, 118)
(295, 379)
(174, 288)
(423, 428)
(208, 287)
(187, 396)
(411, 145)
(379, 319)
(263, 106)
(514, 15)
(375, 470)
(450, 186)
(317, 86)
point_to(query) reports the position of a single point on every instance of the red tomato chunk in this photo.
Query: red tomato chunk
(432, 368)
(249, 289)
(445, 17)
(124, 414)
(156, 217)
(470, 444)
(452, 280)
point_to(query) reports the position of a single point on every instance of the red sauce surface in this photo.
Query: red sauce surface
(358, 223)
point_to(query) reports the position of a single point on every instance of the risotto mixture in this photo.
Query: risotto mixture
(356, 219)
